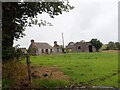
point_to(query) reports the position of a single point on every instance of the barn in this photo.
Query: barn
(80, 47)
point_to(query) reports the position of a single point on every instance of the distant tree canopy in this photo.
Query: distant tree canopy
(15, 18)
(113, 45)
(117, 45)
(96, 43)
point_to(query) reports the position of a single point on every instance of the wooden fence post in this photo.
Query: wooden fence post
(28, 68)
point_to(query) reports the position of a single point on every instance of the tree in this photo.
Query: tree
(96, 43)
(15, 18)
(111, 45)
(117, 45)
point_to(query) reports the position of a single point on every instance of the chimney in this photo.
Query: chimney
(55, 43)
(32, 41)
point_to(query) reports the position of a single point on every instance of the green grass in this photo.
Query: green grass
(50, 83)
(83, 67)
(6, 83)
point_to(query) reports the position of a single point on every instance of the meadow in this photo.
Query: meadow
(83, 69)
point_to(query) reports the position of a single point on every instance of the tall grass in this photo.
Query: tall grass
(12, 72)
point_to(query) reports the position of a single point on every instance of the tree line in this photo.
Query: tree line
(112, 46)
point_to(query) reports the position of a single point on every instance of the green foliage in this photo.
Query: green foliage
(84, 67)
(15, 17)
(113, 45)
(6, 83)
(117, 45)
(50, 83)
(96, 43)
(11, 52)
(8, 52)
(19, 55)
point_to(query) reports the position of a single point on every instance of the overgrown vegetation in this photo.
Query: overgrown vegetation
(50, 83)
(91, 69)
(12, 73)
(15, 17)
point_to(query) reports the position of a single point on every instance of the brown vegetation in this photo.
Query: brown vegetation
(14, 71)
(51, 73)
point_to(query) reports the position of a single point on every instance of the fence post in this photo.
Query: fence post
(28, 68)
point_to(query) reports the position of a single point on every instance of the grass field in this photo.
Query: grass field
(94, 69)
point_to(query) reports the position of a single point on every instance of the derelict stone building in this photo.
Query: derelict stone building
(80, 47)
(39, 48)
(57, 48)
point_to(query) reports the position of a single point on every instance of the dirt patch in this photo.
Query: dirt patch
(51, 73)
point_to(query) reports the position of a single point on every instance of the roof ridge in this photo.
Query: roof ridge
(43, 45)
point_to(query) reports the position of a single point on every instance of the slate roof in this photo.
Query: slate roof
(43, 45)
(78, 44)
(82, 43)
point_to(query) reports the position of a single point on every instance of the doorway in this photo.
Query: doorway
(90, 48)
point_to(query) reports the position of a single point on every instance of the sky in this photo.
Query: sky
(89, 19)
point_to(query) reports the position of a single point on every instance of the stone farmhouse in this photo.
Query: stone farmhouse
(39, 48)
(80, 47)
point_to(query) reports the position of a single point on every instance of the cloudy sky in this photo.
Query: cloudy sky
(89, 19)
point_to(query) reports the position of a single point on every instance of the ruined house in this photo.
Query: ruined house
(57, 48)
(39, 48)
(80, 47)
